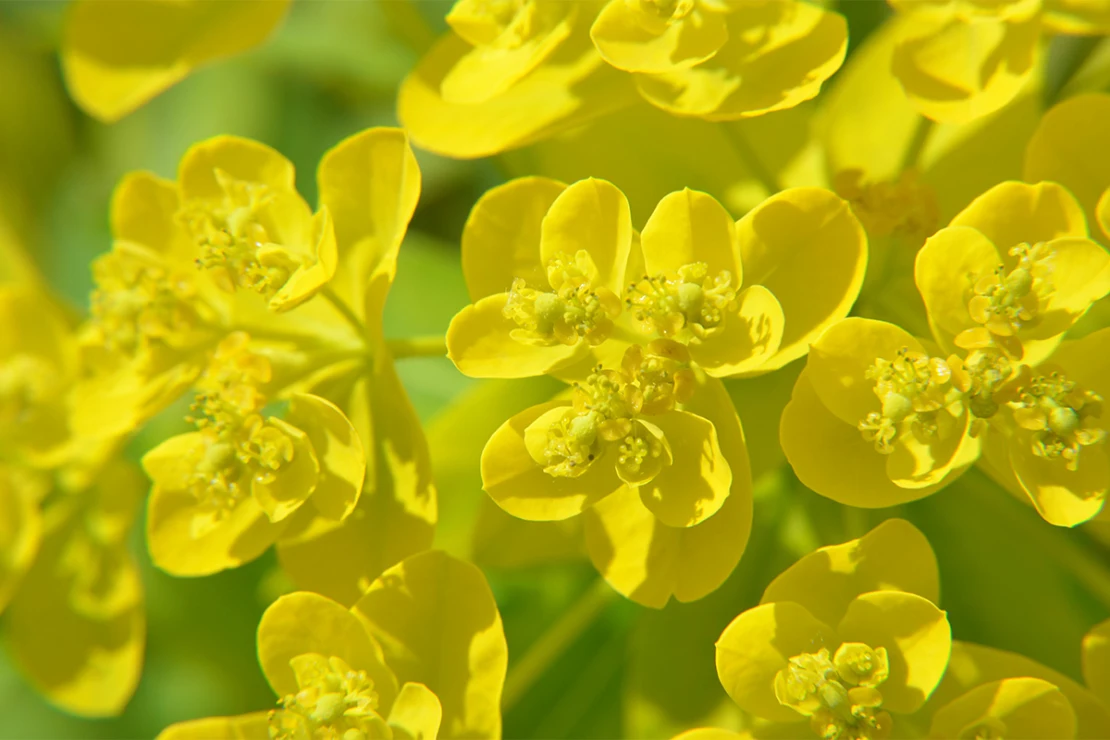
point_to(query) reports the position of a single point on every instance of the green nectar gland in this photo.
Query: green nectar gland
(1064, 418)
(913, 389)
(684, 305)
(840, 695)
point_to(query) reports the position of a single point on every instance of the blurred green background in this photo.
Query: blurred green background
(583, 661)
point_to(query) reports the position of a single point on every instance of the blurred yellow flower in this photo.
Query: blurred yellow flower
(117, 56)
(421, 655)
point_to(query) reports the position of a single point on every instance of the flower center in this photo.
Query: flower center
(137, 300)
(571, 310)
(840, 696)
(1004, 302)
(986, 375)
(239, 444)
(689, 303)
(1063, 416)
(333, 701)
(604, 414)
(903, 207)
(913, 388)
(234, 244)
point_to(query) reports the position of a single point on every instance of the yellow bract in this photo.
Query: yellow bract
(392, 668)
(117, 57)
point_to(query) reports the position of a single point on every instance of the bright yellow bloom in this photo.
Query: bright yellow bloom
(421, 655)
(563, 254)
(117, 56)
(783, 663)
(950, 59)
(623, 428)
(719, 60)
(224, 493)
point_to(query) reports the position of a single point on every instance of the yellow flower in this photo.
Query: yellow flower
(118, 56)
(993, 693)
(623, 428)
(706, 282)
(421, 655)
(948, 59)
(1014, 270)
(703, 58)
(224, 493)
(875, 419)
(783, 663)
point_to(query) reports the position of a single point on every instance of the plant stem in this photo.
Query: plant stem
(555, 641)
(912, 157)
(748, 156)
(433, 345)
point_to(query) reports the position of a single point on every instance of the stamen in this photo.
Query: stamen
(913, 388)
(1064, 417)
(332, 701)
(1005, 302)
(572, 310)
(685, 304)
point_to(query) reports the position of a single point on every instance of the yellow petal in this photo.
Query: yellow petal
(370, 184)
(1080, 276)
(489, 70)
(833, 459)
(689, 226)
(416, 714)
(916, 635)
(777, 56)
(242, 159)
(1063, 497)
(650, 562)
(747, 343)
(303, 622)
(805, 246)
(519, 484)
(294, 482)
(757, 645)
(1096, 660)
(956, 70)
(1011, 213)
(636, 41)
(593, 215)
(1067, 148)
(839, 360)
(437, 620)
(695, 485)
(973, 665)
(1021, 707)
(501, 238)
(77, 624)
(337, 446)
(117, 57)
(480, 345)
(573, 86)
(1102, 214)
(254, 726)
(143, 211)
(1086, 362)
(894, 556)
(921, 463)
(317, 270)
(396, 513)
(946, 269)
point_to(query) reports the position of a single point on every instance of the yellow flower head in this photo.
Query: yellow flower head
(623, 428)
(223, 494)
(782, 662)
(701, 279)
(410, 660)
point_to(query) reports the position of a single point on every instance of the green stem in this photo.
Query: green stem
(430, 346)
(912, 157)
(328, 294)
(555, 641)
(749, 157)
